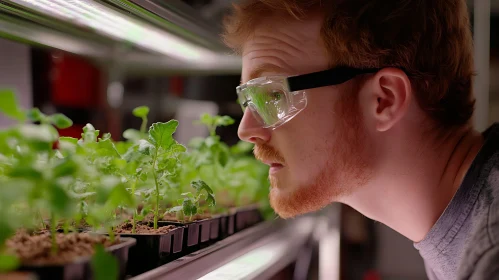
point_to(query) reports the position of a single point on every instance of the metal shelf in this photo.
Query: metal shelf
(149, 48)
(259, 252)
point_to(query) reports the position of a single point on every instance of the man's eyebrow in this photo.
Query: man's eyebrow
(263, 68)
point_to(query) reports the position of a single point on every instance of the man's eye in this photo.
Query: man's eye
(276, 95)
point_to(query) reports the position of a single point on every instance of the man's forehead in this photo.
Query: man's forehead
(261, 69)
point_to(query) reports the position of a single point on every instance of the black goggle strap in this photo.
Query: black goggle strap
(325, 78)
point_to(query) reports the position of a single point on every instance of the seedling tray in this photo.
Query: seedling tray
(247, 217)
(198, 232)
(81, 269)
(153, 250)
(226, 225)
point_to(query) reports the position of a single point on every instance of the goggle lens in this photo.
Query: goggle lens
(270, 103)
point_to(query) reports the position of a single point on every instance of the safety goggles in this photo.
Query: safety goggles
(275, 100)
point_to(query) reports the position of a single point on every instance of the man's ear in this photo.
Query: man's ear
(390, 96)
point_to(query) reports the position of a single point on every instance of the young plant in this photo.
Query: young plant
(32, 159)
(207, 155)
(135, 135)
(190, 204)
(213, 122)
(133, 173)
(157, 158)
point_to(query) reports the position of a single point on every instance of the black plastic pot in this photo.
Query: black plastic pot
(81, 269)
(247, 217)
(191, 232)
(198, 232)
(153, 250)
(215, 228)
(226, 224)
(231, 224)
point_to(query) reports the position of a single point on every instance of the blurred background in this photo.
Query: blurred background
(96, 60)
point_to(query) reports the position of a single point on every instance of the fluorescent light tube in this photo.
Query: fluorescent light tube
(90, 14)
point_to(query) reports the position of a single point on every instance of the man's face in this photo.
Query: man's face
(317, 157)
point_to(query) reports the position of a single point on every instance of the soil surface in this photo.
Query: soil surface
(142, 229)
(17, 276)
(173, 218)
(37, 249)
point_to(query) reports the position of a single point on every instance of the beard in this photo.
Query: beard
(344, 171)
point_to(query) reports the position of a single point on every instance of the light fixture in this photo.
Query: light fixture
(106, 21)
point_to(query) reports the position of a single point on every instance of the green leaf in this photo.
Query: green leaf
(189, 208)
(168, 164)
(35, 115)
(105, 189)
(143, 176)
(107, 148)
(175, 150)
(200, 185)
(6, 231)
(120, 196)
(89, 133)
(9, 105)
(187, 194)
(223, 121)
(8, 262)
(145, 147)
(122, 146)
(68, 139)
(82, 195)
(241, 147)
(119, 163)
(196, 143)
(141, 111)
(66, 167)
(60, 121)
(106, 136)
(104, 265)
(132, 153)
(223, 157)
(59, 200)
(175, 209)
(139, 217)
(25, 171)
(212, 141)
(161, 134)
(210, 199)
(132, 134)
(42, 133)
(206, 119)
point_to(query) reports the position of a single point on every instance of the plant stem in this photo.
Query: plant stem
(143, 126)
(156, 210)
(53, 230)
(213, 129)
(66, 227)
(133, 222)
(134, 215)
(111, 234)
(44, 226)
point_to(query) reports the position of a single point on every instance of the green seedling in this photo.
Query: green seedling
(133, 134)
(190, 204)
(157, 158)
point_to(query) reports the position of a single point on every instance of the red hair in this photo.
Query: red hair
(431, 40)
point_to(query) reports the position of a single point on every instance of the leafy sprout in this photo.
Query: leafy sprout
(190, 204)
(157, 158)
(212, 122)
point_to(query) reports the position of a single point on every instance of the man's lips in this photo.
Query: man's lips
(274, 166)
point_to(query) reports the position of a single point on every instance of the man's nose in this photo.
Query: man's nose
(250, 130)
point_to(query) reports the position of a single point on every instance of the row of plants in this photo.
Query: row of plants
(118, 208)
